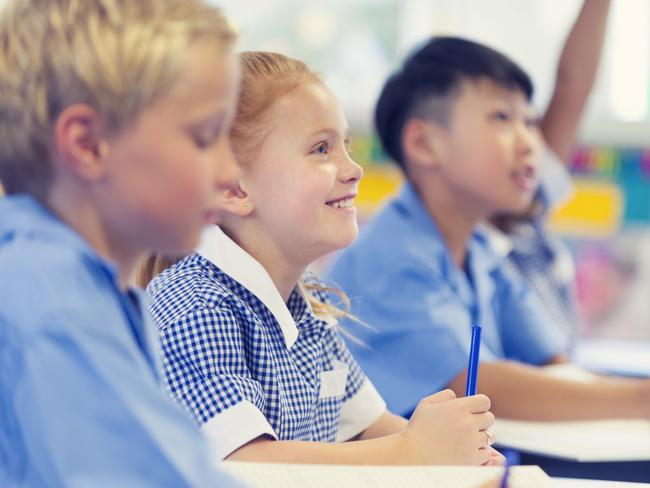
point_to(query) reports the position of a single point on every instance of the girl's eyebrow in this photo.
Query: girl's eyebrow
(332, 133)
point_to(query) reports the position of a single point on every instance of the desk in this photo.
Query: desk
(616, 357)
(573, 483)
(631, 471)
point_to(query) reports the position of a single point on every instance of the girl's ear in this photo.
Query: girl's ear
(236, 201)
(422, 143)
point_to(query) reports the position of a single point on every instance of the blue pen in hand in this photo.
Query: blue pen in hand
(506, 474)
(472, 368)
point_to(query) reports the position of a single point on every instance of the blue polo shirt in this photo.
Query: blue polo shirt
(81, 401)
(403, 283)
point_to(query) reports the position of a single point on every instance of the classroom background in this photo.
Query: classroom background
(356, 43)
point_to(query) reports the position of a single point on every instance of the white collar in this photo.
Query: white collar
(499, 241)
(223, 252)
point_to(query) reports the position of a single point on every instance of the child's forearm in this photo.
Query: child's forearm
(442, 430)
(387, 424)
(575, 76)
(383, 451)
(523, 392)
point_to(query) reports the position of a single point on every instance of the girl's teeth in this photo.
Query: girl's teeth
(347, 203)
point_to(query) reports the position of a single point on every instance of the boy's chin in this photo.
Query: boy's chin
(519, 208)
(181, 247)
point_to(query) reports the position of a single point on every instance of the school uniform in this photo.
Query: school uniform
(543, 261)
(247, 364)
(404, 283)
(81, 397)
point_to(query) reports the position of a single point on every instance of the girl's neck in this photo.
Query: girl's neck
(453, 223)
(284, 274)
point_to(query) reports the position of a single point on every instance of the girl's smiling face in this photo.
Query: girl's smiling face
(302, 182)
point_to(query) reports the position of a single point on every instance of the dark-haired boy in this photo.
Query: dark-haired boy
(457, 118)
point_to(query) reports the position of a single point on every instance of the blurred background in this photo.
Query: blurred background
(356, 43)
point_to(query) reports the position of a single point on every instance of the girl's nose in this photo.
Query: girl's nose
(351, 172)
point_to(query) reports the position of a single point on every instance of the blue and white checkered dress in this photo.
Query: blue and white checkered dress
(542, 259)
(222, 347)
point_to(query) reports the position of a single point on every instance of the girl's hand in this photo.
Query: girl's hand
(449, 430)
(495, 458)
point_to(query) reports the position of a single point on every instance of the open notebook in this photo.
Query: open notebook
(587, 441)
(326, 476)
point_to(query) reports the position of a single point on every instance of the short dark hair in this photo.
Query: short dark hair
(437, 69)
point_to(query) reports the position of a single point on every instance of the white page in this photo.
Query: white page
(328, 476)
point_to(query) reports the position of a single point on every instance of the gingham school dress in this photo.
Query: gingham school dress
(245, 364)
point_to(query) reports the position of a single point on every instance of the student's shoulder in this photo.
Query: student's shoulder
(46, 281)
(190, 285)
(391, 244)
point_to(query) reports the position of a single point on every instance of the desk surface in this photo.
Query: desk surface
(617, 357)
(574, 483)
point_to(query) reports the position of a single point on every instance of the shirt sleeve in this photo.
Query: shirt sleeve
(528, 333)
(417, 339)
(362, 404)
(89, 416)
(205, 368)
(556, 184)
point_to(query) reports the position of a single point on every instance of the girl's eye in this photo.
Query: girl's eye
(322, 148)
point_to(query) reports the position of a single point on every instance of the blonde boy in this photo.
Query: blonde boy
(114, 117)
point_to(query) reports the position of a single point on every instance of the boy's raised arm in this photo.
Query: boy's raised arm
(576, 74)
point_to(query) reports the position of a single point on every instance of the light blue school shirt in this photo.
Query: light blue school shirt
(81, 401)
(403, 283)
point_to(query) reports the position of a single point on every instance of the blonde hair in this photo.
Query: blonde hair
(266, 78)
(118, 56)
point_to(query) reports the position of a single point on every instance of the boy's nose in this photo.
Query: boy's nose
(227, 170)
(528, 139)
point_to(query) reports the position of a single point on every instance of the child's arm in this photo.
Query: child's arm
(442, 430)
(387, 424)
(525, 392)
(575, 77)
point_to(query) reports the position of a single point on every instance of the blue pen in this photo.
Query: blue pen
(472, 368)
(506, 474)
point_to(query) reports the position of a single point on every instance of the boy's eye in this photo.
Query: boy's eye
(201, 141)
(532, 122)
(205, 136)
(500, 115)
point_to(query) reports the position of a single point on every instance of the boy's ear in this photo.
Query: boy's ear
(79, 136)
(422, 143)
(236, 201)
